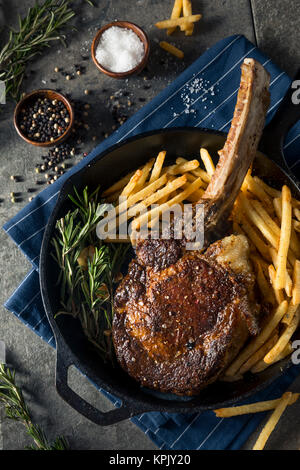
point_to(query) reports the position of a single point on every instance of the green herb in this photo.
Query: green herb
(37, 30)
(88, 269)
(12, 398)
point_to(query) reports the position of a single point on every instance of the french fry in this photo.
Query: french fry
(268, 189)
(258, 191)
(262, 365)
(288, 281)
(294, 242)
(278, 292)
(183, 21)
(263, 284)
(142, 194)
(156, 171)
(258, 220)
(257, 407)
(118, 185)
(290, 313)
(283, 339)
(171, 49)
(152, 214)
(296, 225)
(259, 354)
(166, 190)
(273, 420)
(131, 184)
(259, 340)
(187, 11)
(183, 167)
(296, 283)
(176, 12)
(198, 172)
(284, 240)
(254, 236)
(297, 213)
(145, 173)
(208, 163)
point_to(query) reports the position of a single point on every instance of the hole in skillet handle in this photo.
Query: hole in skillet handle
(63, 361)
(275, 132)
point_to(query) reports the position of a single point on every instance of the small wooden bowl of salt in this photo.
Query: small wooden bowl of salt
(120, 49)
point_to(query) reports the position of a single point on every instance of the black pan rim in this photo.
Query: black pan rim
(146, 403)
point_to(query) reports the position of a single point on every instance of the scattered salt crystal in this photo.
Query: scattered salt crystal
(119, 49)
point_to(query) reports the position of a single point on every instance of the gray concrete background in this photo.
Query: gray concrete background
(276, 25)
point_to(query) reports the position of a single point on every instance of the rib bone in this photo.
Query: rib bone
(240, 147)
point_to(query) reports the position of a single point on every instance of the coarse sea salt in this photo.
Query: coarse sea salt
(119, 49)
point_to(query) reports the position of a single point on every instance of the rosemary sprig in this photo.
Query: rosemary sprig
(88, 269)
(40, 27)
(12, 398)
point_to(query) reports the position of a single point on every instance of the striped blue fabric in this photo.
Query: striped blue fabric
(204, 95)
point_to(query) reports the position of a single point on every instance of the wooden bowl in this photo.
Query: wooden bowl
(52, 95)
(139, 32)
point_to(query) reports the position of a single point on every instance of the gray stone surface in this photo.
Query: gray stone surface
(33, 360)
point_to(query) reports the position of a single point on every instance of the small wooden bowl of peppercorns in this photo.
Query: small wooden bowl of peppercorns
(44, 118)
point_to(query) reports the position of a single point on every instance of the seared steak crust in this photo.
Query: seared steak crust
(176, 329)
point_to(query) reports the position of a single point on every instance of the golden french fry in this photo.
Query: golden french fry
(145, 173)
(152, 214)
(142, 194)
(198, 172)
(131, 184)
(259, 354)
(254, 236)
(262, 365)
(273, 420)
(283, 339)
(263, 283)
(294, 242)
(258, 220)
(258, 191)
(278, 292)
(290, 313)
(268, 189)
(166, 190)
(183, 167)
(259, 340)
(195, 196)
(183, 21)
(288, 281)
(257, 407)
(297, 213)
(118, 185)
(172, 49)
(296, 225)
(296, 283)
(157, 166)
(284, 240)
(187, 11)
(176, 12)
(208, 163)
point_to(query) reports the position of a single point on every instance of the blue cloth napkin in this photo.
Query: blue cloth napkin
(204, 95)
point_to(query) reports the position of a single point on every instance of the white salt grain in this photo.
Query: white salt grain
(119, 49)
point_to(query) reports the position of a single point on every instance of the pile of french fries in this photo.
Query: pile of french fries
(185, 23)
(269, 218)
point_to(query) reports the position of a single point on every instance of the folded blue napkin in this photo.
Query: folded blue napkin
(204, 95)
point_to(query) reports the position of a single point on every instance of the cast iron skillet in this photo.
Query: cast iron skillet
(73, 348)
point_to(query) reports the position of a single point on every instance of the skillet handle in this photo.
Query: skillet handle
(63, 362)
(286, 116)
